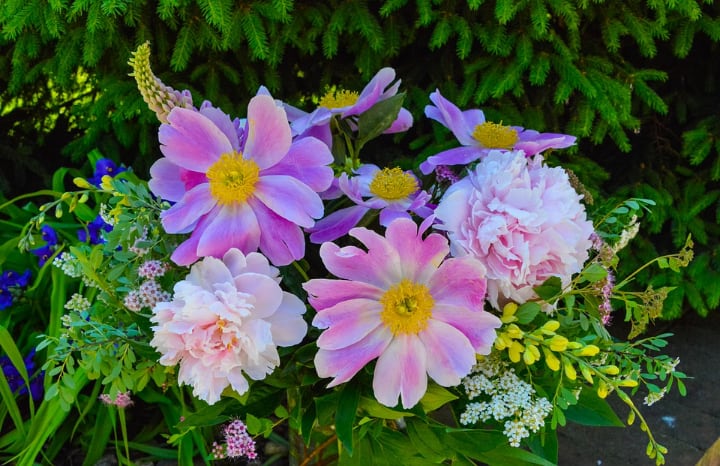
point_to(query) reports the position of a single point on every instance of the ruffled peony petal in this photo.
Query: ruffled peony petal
(344, 363)
(192, 141)
(229, 226)
(288, 326)
(290, 199)
(267, 293)
(282, 241)
(325, 293)
(208, 273)
(186, 213)
(401, 371)
(307, 160)
(268, 137)
(452, 354)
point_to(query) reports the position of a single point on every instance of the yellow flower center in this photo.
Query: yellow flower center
(232, 178)
(338, 98)
(407, 307)
(495, 135)
(392, 184)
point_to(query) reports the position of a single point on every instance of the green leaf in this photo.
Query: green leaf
(378, 118)
(376, 410)
(550, 288)
(435, 397)
(591, 410)
(594, 273)
(526, 312)
(345, 415)
(426, 441)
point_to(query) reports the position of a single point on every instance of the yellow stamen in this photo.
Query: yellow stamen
(407, 307)
(393, 184)
(338, 98)
(495, 135)
(232, 178)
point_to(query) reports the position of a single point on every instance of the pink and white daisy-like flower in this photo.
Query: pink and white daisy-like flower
(246, 187)
(392, 191)
(349, 103)
(400, 302)
(478, 136)
(225, 322)
(522, 219)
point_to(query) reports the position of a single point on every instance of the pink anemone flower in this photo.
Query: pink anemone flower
(400, 302)
(348, 103)
(392, 191)
(478, 136)
(239, 184)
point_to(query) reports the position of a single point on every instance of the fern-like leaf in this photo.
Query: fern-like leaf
(255, 34)
(184, 46)
(217, 13)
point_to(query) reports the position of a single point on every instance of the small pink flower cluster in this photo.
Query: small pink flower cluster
(152, 269)
(122, 400)
(606, 290)
(150, 292)
(237, 442)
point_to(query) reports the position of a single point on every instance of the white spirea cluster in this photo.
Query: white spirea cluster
(654, 397)
(77, 302)
(508, 398)
(68, 264)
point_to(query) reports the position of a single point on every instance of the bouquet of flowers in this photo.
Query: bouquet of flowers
(266, 286)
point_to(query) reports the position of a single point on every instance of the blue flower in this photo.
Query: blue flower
(10, 283)
(16, 382)
(94, 231)
(49, 235)
(43, 253)
(105, 167)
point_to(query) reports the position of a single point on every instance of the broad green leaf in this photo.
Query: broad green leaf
(345, 415)
(591, 410)
(378, 118)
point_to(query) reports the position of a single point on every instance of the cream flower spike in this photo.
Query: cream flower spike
(159, 97)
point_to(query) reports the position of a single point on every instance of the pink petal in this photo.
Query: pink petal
(455, 156)
(344, 363)
(379, 266)
(478, 326)
(337, 224)
(266, 293)
(231, 226)
(419, 257)
(281, 241)
(450, 354)
(165, 180)
(348, 322)
(307, 160)
(223, 122)
(401, 371)
(193, 205)
(461, 282)
(208, 273)
(192, 141)
(288, 327)
(324, 293)
(290, 199)
(186, 252)
(402, 123)
(268, 137)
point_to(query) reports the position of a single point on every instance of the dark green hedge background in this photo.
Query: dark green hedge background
(635, 80)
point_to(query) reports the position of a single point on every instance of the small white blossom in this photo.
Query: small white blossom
(77, 302)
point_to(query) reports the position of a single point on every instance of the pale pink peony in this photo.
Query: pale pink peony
(522, 219)
(224, 324)
(400, 302)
